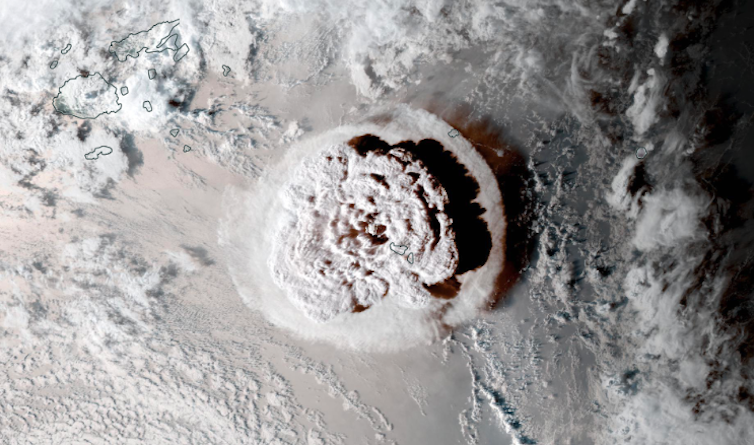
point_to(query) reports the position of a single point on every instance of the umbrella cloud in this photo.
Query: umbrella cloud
(342, 209)
(332, 220)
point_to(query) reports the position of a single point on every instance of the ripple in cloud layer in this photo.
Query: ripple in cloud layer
(310, 246)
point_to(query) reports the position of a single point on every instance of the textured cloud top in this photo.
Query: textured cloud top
(343, 208)
(376, 236)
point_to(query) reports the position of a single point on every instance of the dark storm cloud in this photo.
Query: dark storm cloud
(639, 181)
(37, 108)
(115, 315)
(107, 239)
(48, 197)
(12, 97)
(167, 274)
(182, 100)
(212, 113)
(83, 130)
(202, 59)
(55, 124)
(38, 310)
(629, 382)
(199, 253)
(132, 152)
(39, 266)
(104, 192)
(251, 56)
(498, 400)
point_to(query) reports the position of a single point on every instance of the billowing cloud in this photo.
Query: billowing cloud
(311, 243)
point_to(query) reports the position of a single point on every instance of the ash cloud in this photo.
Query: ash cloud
(310, 247)
(343, 207)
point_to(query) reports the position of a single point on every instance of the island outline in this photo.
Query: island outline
(60, 91)
(162, 41)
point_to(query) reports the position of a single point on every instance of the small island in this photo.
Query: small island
(181, 53)
(103, 150)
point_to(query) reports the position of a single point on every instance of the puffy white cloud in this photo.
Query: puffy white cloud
(669, 217)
